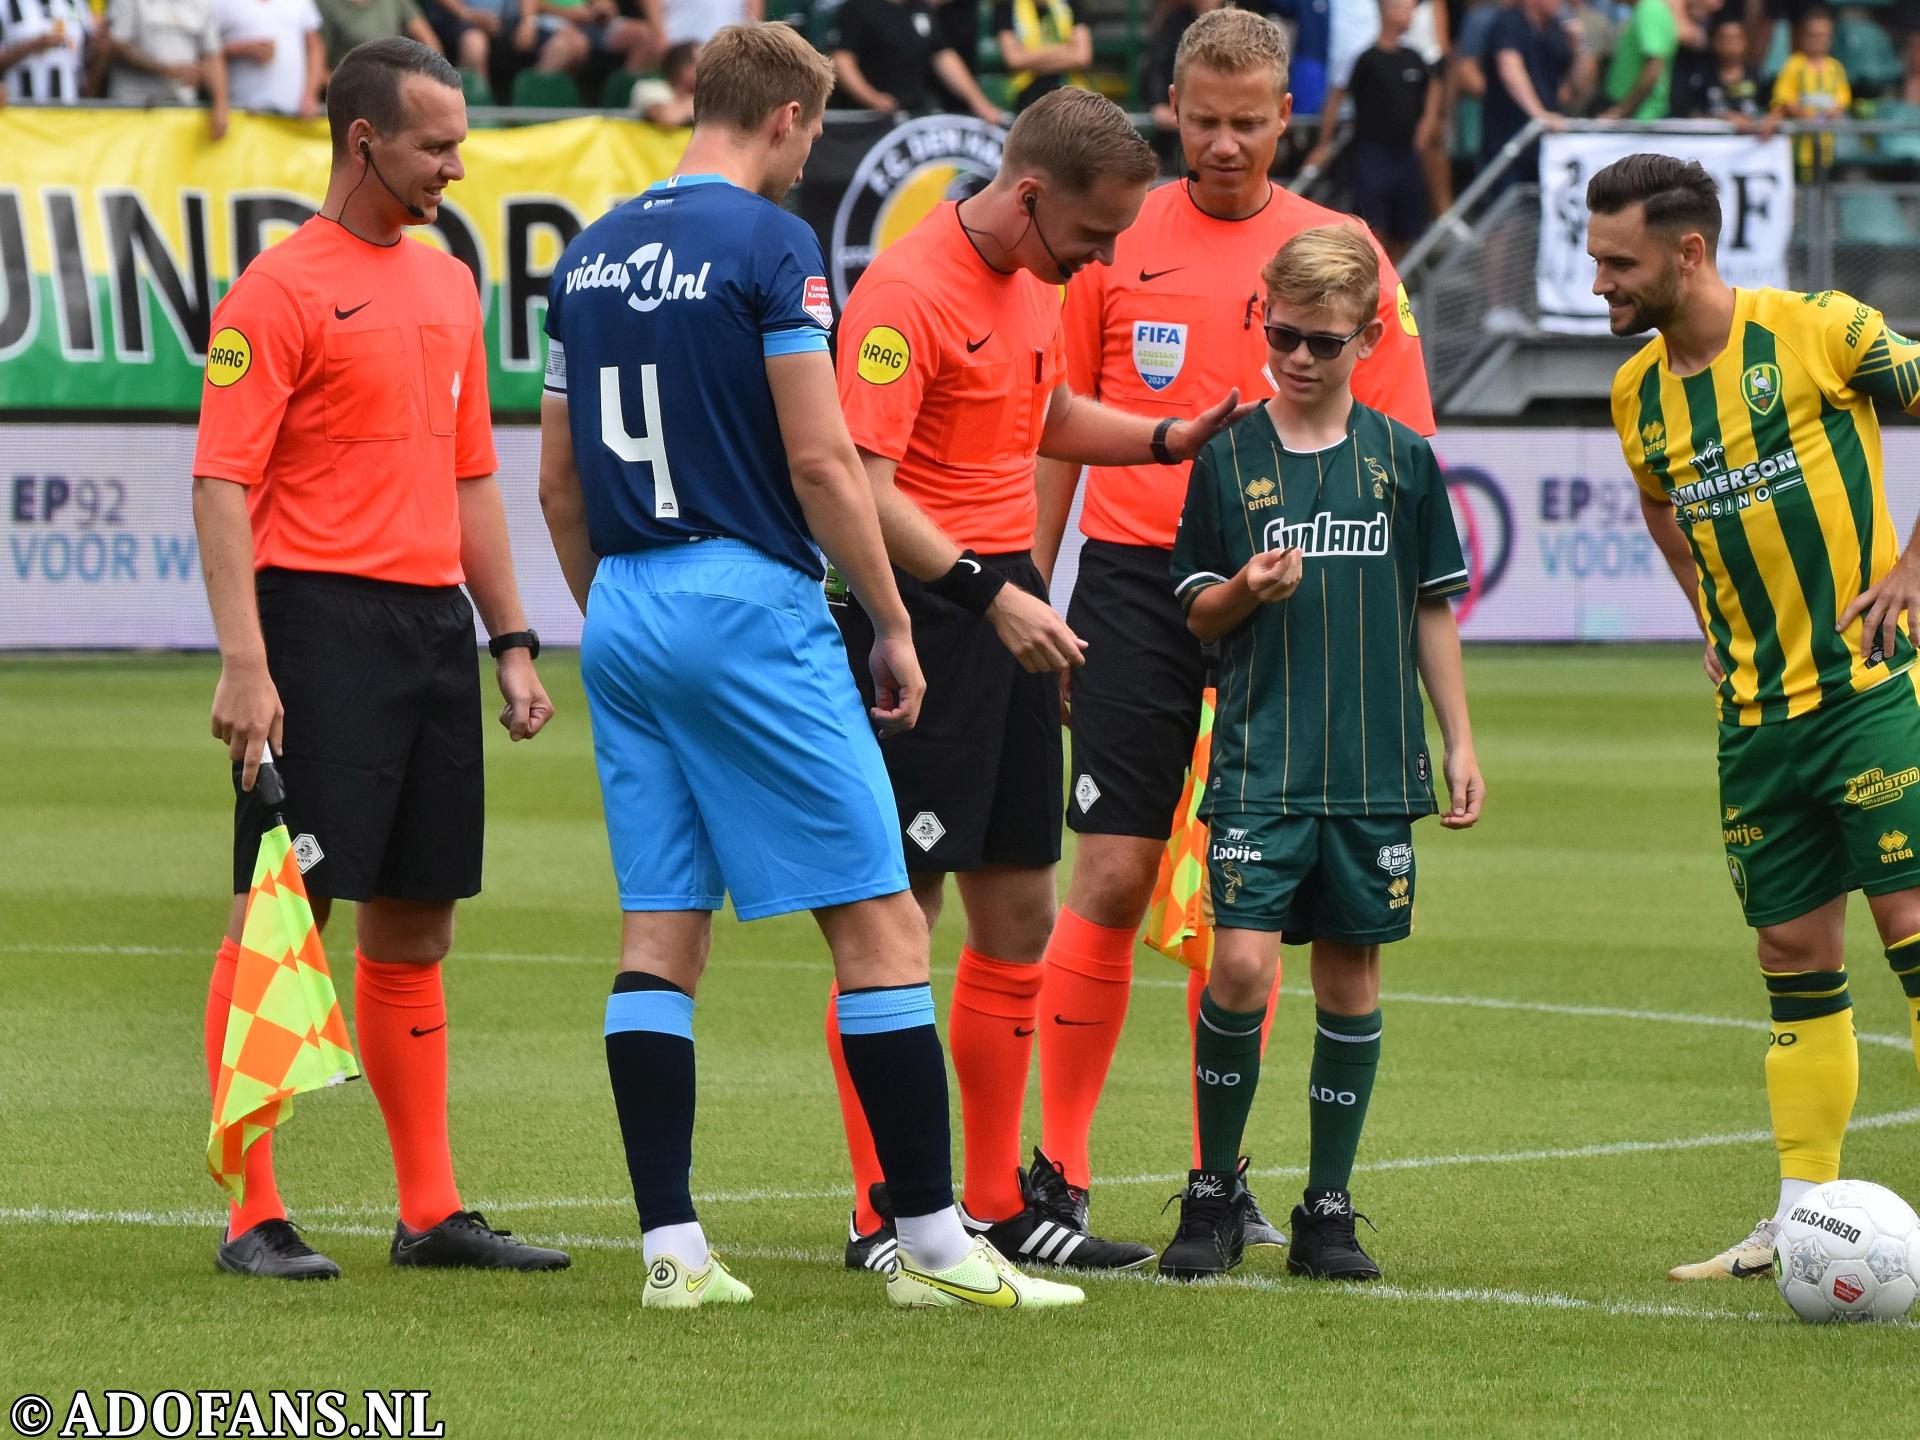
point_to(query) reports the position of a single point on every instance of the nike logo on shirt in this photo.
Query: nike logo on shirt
(973, 345)
(340, 314)
(1147, 277)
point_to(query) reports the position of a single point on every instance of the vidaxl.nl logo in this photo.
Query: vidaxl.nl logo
(648, 272)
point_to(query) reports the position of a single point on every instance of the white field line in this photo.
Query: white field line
(1140, 981)
(1444, 1295)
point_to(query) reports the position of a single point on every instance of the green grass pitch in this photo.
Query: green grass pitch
(1570, 1101)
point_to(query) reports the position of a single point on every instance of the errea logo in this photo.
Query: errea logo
(1260, 494)
(1894, 847)
(1653, 439)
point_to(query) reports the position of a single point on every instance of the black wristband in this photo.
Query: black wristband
(515, 639)
(1160, 432)
(969, 584)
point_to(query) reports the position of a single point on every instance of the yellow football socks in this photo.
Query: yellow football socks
(1813, 1070)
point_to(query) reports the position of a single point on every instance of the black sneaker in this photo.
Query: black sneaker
(1324, 1244)
(274, 1247)
(1255, 1228)
(876, 1249)
(1208, 1240)
(464, 1240)
(1052, 1228)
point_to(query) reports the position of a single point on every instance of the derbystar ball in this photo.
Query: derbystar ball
(1849, 1250)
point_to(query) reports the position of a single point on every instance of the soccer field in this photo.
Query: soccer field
(1569, 1101)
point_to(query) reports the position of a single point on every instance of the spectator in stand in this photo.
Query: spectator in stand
(275, 61)
(47, 50)
(1165, 26)
(165, 52)
(677, 21)
(669, 100)
(1356, 30)
(1812, 85)
(1540, 70)
(467, 30)
(1042, 46)
(1396, 114)
(1727, 89)
(1312, 39)
(590, 27)
(886, 54)
(347, 23)
(1639, 81)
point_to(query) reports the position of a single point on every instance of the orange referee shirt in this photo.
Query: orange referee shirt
(1175, 322)
(946, 366)
(346, 387)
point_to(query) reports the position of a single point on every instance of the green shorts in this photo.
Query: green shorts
(1314, 877)
(1825, 803)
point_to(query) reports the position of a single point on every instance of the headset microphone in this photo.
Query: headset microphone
(366, 153)
(1033, 220)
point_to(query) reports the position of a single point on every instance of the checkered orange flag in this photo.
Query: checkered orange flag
(1180, 918)
(285, 1032)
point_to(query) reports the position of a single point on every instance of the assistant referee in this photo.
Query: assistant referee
(343, 492)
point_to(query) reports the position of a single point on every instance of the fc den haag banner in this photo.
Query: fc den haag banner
(120, 231)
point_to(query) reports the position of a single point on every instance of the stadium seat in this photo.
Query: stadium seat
(475, 86)
(535, 89)
(1873, 217)
(617, 92)
(1866, 50)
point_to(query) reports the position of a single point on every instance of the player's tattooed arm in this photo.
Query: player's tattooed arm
(1678, 554)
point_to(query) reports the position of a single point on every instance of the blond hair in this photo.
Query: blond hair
(748, 71)
(1233, 42)
(1331, 265)
(1075, 138)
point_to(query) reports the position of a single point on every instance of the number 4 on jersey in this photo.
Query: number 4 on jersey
(649, 447)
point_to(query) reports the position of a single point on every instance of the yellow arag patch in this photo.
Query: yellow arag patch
(1406, 313)
(229, 358)
(883, 355)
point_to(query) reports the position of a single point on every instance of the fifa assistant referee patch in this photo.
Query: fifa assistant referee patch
(1406, 311)
(817, 300)
(883, 355)
(229, 358)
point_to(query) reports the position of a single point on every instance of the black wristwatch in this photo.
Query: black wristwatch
(528, 640)
(1160, 433)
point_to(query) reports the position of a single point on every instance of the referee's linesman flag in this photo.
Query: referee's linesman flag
(285, 1032)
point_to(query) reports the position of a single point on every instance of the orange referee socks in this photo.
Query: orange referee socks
(853, 1118)
(400, 1020)
(1083, 1004)
(996, 1007)
(263, 1196)
(1196, 987)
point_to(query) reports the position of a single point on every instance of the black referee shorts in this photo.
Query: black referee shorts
(1136, 702)
(977, 781)
(382, 761)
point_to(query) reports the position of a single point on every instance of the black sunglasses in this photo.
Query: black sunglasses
(1286, 340)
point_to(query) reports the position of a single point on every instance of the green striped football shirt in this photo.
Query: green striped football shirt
(1318, 710)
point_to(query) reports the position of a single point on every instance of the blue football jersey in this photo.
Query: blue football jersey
(659, 319)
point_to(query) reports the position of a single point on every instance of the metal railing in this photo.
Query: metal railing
(1472, 274)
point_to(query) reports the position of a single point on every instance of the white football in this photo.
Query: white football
(1849, 1250)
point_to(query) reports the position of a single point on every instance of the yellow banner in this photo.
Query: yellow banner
(120, 230)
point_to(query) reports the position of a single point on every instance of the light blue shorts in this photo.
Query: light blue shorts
(735, 757)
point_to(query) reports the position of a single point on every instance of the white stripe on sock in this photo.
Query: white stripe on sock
(1348, 1039)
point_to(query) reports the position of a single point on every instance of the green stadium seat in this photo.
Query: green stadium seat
(1873, 217)
(537, 90)
(1866, 50)
(475, 86)
(617, 92)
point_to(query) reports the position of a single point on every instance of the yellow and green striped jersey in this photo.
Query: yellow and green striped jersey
(1771, 459)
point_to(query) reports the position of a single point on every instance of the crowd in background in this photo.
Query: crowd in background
(1405, 98)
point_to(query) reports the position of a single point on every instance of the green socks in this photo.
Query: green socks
(1905, 960)
(1226, 1067)
(1346, 1054)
